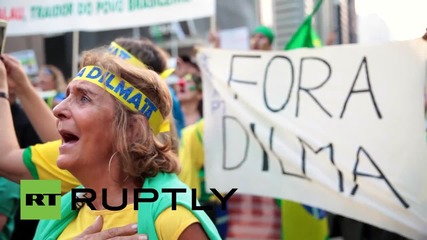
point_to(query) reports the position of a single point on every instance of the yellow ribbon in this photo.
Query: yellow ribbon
(166, 73)
(125, 93)
(117, 50)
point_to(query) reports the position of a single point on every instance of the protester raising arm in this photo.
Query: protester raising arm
(110, 145)
(10, 158)
(13, 168)
(40, 159)
(38, 112)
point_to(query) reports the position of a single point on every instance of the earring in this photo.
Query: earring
(109, 168)
(109, 162)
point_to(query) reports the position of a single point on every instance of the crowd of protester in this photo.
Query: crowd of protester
(60, 130)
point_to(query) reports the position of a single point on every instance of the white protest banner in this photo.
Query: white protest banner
(28, 17)
(340, 128)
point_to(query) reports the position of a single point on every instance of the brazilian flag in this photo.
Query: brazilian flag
(301, 221)
(306, 36)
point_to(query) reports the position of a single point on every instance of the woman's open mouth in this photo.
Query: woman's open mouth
(68, 137)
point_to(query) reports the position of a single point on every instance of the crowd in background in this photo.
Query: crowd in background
(246, 217)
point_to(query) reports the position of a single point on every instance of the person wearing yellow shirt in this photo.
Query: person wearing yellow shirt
(192, 157)
(73, 131)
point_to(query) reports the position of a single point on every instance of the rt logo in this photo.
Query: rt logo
(40, 199)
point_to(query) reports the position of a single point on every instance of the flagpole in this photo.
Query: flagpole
(213, 23)
(75, 52)
(213, 31)
(174, 43)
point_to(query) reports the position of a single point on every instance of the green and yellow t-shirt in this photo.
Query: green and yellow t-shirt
(40, 160)
(169, 224)
(192, 157)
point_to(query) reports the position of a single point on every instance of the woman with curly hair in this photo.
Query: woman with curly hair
(109, 124)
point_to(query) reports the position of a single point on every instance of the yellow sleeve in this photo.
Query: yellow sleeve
(198, 150)
(191, 155)
(171, 223)
(40, 160)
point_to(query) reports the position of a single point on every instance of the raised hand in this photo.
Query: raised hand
(16, 74)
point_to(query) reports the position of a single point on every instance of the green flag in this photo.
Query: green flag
(306, 35)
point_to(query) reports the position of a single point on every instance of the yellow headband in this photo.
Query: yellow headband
(117, 50)
(166, 73)
(125, 93)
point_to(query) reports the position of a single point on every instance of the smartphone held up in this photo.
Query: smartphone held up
(3, 25)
